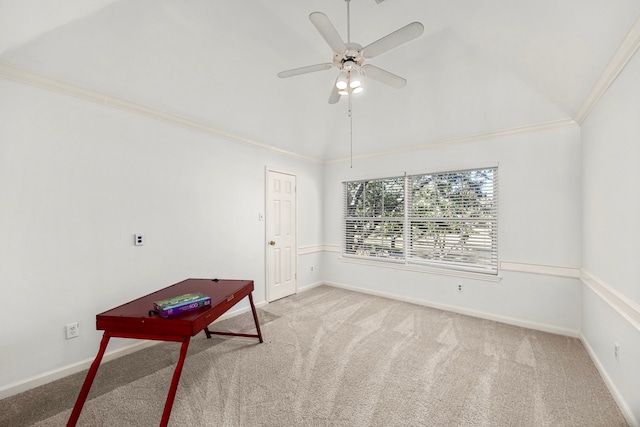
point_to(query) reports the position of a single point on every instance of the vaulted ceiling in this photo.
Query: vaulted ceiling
(481, 66)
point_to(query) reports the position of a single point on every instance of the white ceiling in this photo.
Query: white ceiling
(481, 66)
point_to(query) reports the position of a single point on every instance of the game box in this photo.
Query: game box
(179, 304)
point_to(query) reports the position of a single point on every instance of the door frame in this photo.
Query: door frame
(266, 218)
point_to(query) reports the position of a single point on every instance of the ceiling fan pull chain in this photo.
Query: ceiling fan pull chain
(350, 131)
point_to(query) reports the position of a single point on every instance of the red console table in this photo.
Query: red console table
(135, 319)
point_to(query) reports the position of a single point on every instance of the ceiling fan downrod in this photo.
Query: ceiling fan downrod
(348, 21)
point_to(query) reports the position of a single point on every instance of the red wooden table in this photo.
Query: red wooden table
(135, 319)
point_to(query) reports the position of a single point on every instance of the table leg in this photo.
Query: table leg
(255, 316)
(84, 392)
(174, 383)
(209, 332)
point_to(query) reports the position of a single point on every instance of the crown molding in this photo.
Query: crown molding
(623, 54)
(41, 81)
(536, 127)
(618, 61)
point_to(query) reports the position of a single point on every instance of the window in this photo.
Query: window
(453, 220)
(375, 217)
(446, 220)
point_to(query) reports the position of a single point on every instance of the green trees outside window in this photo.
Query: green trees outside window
(446, 219)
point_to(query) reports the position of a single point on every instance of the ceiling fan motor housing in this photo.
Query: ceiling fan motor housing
(349, 59)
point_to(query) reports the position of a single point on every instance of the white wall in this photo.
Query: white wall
(539, 224)
(611, 236)
(78, 179)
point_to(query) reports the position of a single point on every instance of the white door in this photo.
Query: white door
(282, 251)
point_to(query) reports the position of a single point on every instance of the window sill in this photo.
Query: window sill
(401, 265)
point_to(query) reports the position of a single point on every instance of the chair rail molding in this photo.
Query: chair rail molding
(547, 270)
(623, 305)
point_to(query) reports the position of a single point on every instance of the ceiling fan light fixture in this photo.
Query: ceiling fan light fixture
(357, 89)
(342, 81)
(343, 92)
(355, 80)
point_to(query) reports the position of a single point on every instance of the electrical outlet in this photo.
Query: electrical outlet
(312, 268)
(138, 239)
(460, 287)
(73, 330)
(616, 351)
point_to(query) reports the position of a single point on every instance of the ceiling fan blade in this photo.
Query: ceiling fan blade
(305, 70)
(328, 32)
(335, 96)
(383, 76)
(395, 39)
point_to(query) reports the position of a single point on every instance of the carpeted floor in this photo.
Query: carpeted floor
(338, 358)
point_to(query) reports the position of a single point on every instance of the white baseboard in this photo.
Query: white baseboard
(56, 374)
(460, 310)
(624, 408)
(309, 287)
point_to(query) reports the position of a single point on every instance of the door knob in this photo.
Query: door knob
(271, 242)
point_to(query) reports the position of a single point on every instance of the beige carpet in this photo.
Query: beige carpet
(337, 358)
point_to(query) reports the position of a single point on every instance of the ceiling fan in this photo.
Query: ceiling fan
(350, 57)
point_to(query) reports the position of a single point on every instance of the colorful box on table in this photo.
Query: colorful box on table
(180, 304)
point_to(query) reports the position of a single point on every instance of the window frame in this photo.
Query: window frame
(478, 252)
(379, 222)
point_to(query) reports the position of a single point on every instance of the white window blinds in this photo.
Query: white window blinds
(453, 220)
(374, 218)
(447, 220)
